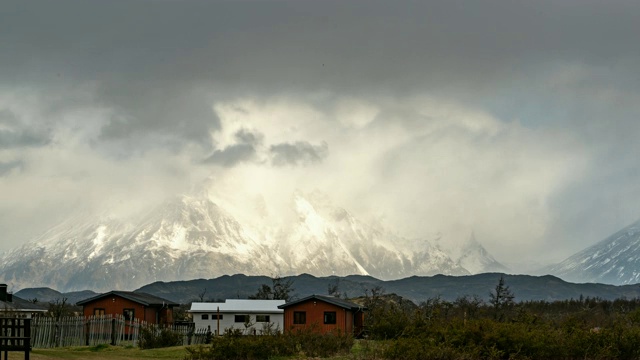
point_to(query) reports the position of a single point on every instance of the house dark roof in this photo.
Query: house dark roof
(328, 299)
(139, 297)
(21, 305)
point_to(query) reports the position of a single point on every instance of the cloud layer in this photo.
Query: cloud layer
(515, 119)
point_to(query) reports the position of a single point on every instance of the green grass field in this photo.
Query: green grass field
(360, 350)
(103, 353)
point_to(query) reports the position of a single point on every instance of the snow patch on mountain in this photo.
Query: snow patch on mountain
(614, 260)
(193, 237)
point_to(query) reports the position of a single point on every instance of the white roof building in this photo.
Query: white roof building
(249, 316)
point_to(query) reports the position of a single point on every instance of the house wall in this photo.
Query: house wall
(115, 305)
(315, 309)
(228, 322)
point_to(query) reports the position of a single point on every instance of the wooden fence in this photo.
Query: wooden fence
(47, 332)
(15, 335)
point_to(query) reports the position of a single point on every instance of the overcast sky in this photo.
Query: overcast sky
(518, 120)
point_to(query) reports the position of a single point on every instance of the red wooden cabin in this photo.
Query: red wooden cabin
(324, 313)
(131, 305)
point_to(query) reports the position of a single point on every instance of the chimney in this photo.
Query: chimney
(3, 292)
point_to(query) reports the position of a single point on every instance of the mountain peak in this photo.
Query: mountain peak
(614, 260)
(191, 236)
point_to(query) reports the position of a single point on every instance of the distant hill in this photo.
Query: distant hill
(45, 295)
(415, 288)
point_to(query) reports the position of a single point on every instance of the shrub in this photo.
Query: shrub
(311, 343)
(151, 338)
(306, 342)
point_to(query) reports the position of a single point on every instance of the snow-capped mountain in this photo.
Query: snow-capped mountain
(192, 237)
(182, 239)
(323, 229)
(471, 255)
(614, 260)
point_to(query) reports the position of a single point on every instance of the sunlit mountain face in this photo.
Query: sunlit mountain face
(192, 237)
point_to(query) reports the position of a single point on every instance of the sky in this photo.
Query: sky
(514, 120)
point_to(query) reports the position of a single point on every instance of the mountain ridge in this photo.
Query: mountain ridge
(414, 288)
(191, 237)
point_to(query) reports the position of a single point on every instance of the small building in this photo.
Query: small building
(324, 313)
(13, 306)
(131, 305)
(252, 317)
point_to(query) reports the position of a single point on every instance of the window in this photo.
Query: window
(329, 317)
(242, 318)
(205, 316)
(216, 317)
(128, 314)
(299, 317)
(98, 311)
(262, 318)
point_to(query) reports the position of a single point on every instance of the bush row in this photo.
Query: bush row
(152, 337)
(304, 343)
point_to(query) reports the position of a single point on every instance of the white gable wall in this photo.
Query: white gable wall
(255, 309)
(276, 321)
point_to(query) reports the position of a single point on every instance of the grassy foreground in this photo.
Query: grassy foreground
(360, 350)
(103, 352)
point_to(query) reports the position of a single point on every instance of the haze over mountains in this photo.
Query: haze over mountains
(190, 237)
(193, 237)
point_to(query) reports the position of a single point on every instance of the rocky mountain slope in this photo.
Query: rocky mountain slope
(614, 260)
(192, 237)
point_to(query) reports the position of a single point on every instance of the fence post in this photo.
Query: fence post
(113, 331)
(27, 335)
(86, 332)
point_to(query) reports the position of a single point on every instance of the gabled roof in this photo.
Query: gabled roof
(139, 297)
(240, 306)
(328, 299)
(21, 305)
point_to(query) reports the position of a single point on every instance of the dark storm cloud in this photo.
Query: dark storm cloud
(298, 153)
(158, 68)
(157, 116)
(248, 137)
(351, 46)
(161, 64)
(14, 134)
(243, 150)
(6, 167)
(232, 155)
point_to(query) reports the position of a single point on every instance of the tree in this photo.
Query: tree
(470, 305)
(264, 292)
(501, 299)
(59, 308)
(386, 318)
(280, 289)
(332, 287)
(202, 294)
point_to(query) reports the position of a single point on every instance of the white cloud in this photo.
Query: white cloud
(423, 164)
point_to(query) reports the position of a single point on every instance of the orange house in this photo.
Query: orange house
(131, 305)
(324, 313)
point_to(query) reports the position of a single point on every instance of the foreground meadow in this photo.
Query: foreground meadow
(103, 352)
(360, 350)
